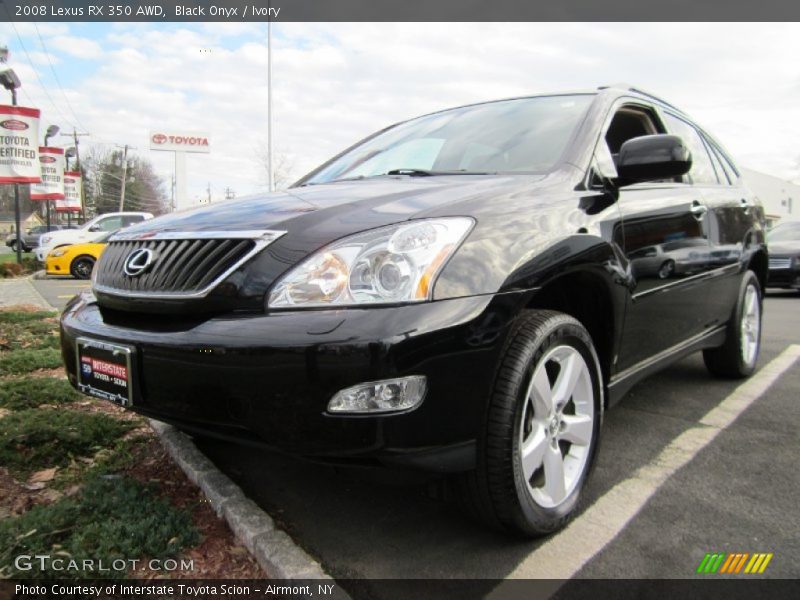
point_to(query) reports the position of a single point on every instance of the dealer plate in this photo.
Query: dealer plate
(104, 370)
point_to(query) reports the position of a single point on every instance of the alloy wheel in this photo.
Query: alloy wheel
(557, 425)
(750, 325)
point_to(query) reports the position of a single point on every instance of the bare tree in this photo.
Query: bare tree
(282, 168)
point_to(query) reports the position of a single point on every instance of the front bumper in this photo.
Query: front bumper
(41, 253)
(785, 277)
(267, 378)
(56, 265)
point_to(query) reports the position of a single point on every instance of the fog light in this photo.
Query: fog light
(389, 395)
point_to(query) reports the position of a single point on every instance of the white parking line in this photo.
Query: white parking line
(562, 556)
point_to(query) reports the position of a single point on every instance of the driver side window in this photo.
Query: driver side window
(630, 122)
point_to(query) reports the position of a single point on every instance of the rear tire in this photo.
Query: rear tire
(542, 428)
(81, 267)
(666, 269)
(737, 357)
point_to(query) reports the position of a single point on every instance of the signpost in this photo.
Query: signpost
(180, 143)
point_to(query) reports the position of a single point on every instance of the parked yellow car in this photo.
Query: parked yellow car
(76, 259)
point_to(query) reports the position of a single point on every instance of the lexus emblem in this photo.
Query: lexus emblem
(138, 262)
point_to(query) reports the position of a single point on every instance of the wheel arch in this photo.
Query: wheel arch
(590, 296)
(759, 264)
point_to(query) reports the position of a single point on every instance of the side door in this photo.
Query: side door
(664, 236)
(731, 214)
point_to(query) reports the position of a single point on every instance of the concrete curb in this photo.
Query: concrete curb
(20, 290)
(276, 552)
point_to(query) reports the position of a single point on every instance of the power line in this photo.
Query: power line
(58, 81)
(35, 73)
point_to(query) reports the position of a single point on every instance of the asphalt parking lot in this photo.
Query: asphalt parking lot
(688, 465)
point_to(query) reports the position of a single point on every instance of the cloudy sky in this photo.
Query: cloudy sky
(335, 83)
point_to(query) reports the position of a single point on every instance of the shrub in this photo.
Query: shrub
(28, 359)
(36, 439)
(111, 518)
(33, 392)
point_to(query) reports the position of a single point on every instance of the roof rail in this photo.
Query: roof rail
(631, 88)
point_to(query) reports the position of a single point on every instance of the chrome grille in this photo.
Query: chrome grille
(780, 263)
(185, 265)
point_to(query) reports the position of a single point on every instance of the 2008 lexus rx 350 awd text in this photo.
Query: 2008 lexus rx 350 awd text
(463, 293)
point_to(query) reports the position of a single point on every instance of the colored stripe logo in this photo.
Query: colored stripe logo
(734, 563)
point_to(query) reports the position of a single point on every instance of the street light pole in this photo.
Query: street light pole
(51, 131)
(17, 218)
(70, 153)
(10, 81)
(270, 180)
(74, 135)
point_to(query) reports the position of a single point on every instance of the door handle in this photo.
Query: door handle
(698, 210)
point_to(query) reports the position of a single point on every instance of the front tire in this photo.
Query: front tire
(737, 357)
(81, 267)
(542, 428)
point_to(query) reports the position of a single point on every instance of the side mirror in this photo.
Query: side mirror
(95, 228)
(652, 157)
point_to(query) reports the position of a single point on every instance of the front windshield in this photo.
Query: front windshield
(785, 233)
(526, 135)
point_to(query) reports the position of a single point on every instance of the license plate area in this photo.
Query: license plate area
(104, 370)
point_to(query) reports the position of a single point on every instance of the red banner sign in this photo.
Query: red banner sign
(52, 185)
(72, 193)
(19, 145)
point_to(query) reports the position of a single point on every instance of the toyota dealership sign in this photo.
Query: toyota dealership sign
(179, 141)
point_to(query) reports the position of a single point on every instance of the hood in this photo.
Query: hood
(340, 208)
(788, 247)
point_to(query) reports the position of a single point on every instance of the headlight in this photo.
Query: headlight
(392, 264)
(45, 240)
(57, 253)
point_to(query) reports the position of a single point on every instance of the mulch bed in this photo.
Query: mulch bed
(218, 556)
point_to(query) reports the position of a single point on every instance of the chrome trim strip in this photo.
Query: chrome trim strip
(265, 239)
(663, 355)
(717, 272)
(247, 234)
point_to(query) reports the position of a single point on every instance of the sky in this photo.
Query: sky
(335, 83)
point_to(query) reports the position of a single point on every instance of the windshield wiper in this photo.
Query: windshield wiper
(429, 173)
(409, 172)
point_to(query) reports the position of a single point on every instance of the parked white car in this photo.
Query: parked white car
(90, 231)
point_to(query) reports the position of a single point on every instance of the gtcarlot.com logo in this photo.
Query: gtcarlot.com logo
(43, 562)
(734, 563)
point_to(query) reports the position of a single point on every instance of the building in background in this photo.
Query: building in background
(781, 198)
(27, 220)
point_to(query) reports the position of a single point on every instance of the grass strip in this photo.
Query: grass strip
(36, 439)
(112, 518)
(31, 392)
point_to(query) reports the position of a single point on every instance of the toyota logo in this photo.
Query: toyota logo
(138, 262)
(159, 138)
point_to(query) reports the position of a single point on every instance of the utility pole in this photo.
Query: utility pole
(124, 178)
(229, 194)
(75, 135)
(209, 192)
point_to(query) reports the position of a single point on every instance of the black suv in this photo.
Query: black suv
(465, 293)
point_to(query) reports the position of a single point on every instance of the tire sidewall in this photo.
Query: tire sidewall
(73, 267)
(565, 333)
(748, 280)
